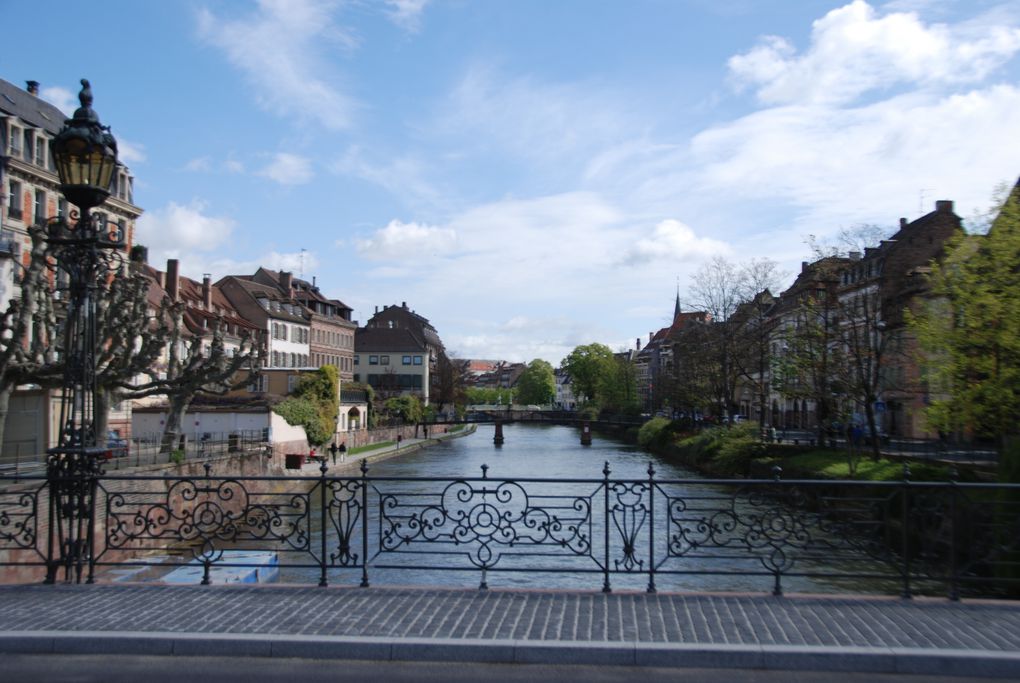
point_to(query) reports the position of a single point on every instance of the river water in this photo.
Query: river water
(572, 560)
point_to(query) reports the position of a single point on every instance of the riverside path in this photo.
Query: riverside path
(687, 631)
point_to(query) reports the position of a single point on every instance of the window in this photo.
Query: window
(417, 360)
(292, 381)
(40, 151)
(15, 142)
(373, 360)
(384, 360)
(406, 360)
(14, 203)
(28, 145)
(260, 385)
(276, 359)
(40, 207)
(357, 360)
(61, 208)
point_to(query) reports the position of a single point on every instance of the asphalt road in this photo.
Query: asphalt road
(131, 669)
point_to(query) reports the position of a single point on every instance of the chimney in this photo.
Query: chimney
(207, 291)
(803, 266)
(650, 337)
(173, 279)
(287, 283)
(903, 223)
(377, 310)
(403, 304)
(32, 87)
(637, 346)
(944, 206)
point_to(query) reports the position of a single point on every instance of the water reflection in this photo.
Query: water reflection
(562, 528)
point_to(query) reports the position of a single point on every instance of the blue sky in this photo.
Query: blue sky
(531, 174)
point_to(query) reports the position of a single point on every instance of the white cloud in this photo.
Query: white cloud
(288, 169)
(130, 152)
(406, 13)
(199, 165)
(176, 231)
(406, 241)
(532, 119)
(674, 241)
(61, 98)
(404, 177)
(286, 47)
(854, 50)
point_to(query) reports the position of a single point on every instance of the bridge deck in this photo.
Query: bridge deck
(923, 636)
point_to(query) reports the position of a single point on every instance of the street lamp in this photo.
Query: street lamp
(85, 156)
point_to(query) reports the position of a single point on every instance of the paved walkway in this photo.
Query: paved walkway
(887, 635)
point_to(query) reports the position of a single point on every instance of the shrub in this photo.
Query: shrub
(651, 433)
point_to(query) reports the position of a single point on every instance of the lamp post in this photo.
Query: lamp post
(85, 155)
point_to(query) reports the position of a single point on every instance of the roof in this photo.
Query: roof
(190, 293)
(30, 108)
(259, 291)
(384, 339)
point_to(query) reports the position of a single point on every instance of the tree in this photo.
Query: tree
(587, 365)
(449, 382)
(406, 408)
(969, 331)
(537, 384)
(32, 339)
(314, 405)
(618, 386)
(758, 278)
(718, 288)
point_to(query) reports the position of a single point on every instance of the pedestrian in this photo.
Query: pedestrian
(772, 434)
(333, 449)
(343, 451)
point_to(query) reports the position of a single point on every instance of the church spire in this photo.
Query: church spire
(676, 308)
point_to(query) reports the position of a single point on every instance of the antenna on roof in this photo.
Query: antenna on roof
(302, 268)
(920, 200)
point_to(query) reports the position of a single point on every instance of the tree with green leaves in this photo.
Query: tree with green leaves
(537, 384)
(969, 331)
(314, 405)
(618, 386)
(587, 365)
(406, 408)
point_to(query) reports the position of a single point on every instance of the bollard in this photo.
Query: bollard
(498, 438)
(586, 433)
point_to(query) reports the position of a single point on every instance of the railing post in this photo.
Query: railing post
(904, 512)
(777, 586)
(954, 568)
(605, 567)
(364, 522)
(322, 522)
(651, 528)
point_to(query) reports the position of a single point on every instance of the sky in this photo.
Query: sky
(531, 175)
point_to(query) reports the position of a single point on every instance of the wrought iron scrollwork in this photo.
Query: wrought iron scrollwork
(628, 510)
(343, 503)
(208, 516)
(488, 518)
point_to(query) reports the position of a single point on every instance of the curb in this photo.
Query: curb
(918, 661)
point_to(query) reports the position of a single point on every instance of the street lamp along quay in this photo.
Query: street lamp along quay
(85, 155)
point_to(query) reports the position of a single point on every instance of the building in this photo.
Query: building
(29, 184)
(286, 324)
(397, 352)
(332, 330)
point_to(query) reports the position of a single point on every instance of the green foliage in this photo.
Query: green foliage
(618, 387)
(537, 384)
(489, 396)
(737, 448)
(314, 405)
(970, 331)
(177, 456)
(587, 366)
(406, 408)
(650, 432)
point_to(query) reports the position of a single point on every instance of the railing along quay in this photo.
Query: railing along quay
(146, 449)
(905, 537)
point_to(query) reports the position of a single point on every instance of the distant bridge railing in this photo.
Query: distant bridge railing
(903, 537)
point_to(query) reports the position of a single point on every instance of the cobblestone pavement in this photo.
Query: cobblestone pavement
(740, 625)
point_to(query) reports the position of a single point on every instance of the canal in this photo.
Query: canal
(574, 555)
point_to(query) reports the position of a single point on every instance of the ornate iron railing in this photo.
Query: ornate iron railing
(904, 536)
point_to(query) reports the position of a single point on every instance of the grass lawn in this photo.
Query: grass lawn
(370, 447)
(833, 465)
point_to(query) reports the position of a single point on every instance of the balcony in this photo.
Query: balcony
(353, 396)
